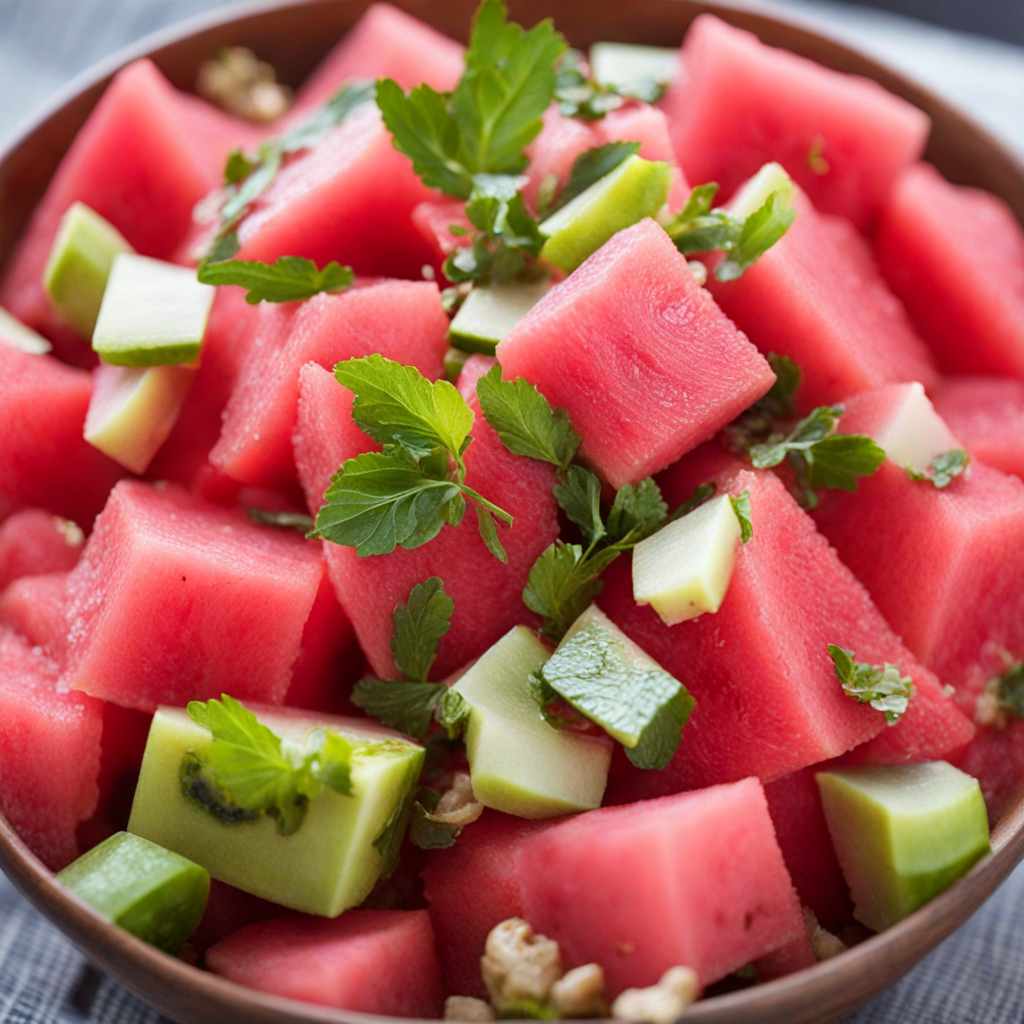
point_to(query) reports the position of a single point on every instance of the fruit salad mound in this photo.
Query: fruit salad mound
(510, 532)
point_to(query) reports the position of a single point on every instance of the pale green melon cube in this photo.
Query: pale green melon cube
(488, 314)
(917, 434)
(15, 334)
(625, 64)
(754, 192)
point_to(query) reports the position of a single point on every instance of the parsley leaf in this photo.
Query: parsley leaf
(881, 686)
(406, 706)
(639, 704)
(579, 497)
(591, 167)
(741, 506)
(251, 769)
(350, 97)
(760, 231)
(418, 627)
(760, 421)
(289, 279)
(524, 420)
(581, 96)
(944, 468)
(636, 513)
(560, 586)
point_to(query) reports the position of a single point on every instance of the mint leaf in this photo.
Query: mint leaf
(377, 502)
(397, 405)
(418, 627)
(761, 230)
(524, 420)
(560, 586)
(741, 506)
(590, 167)
(453, 713)
(579, 497)
(285, 520)
(640, 705)
(881, 686)
(698, 228)
(289, 279)
(249, 769)
(402, 705)
(352, 96)
(637, 513)
(581, 96)
(944, 468)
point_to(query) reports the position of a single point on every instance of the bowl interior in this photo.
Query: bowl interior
(294, 35)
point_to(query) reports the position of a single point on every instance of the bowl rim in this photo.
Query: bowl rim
(186, 993)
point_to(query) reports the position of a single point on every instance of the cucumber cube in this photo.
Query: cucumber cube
(518, 762)
(684, 569)
(636, 189)
(15, 334)
(488, 314)
(76, 273)
(151, 892)
(153, 314)
(626, 64)
(903, 834)
(334, 858)
(917, 434)
(134, 409)
(754, 192)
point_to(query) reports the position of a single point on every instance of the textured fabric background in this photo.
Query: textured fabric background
(975, 977)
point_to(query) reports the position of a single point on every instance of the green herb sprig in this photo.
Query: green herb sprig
(580, 95)
(881, 686)
(944, 468)
(288, 279)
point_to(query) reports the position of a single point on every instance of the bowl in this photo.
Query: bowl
(293, 35)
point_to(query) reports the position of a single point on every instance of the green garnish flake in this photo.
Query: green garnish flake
(881, 686)
(1009, 690)
(699, 228)
(411, 704)
(259, 773)
(403, 495)
(587, 169)
(640, 705)
(580, 95)
(741, 506)
(944, 468)
(285, 520)
(438, 819)
(289, 279)
(562, 582)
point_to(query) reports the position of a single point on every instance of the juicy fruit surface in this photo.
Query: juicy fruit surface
(986, 414)
(633, 313)
(148, 623)
(373, 961)
(151, 892)
(329, 864)
(903, 834)
(36, 607)
(34, 542)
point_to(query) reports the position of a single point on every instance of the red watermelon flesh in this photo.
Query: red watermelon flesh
(741, 104)
(642, 358)
(149, 623)
(709, 888)
(49, 752)
(144, 158)
(996, 759)
(476, 366)
(350, 198)
(555, 149)
(401, 320)
(986, 414)
(794, 803)
(36, 607)
(955, 256)
(768, 701)
(371, 961)
(385, 43)
(33, 542)
(708, 463)
(44, 460)
(230, 335)
(370, 587)
(471, 887)
(330, 662)
(818, 297)
(434, 219)
(962, 546)
(228, 910)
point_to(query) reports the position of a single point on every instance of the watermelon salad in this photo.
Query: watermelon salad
(506, 532)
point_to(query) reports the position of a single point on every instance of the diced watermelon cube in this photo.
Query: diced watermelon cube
(995, 757)
(49, 752)
(955, 256)
(370, 587)
(44, 459)
(144, 158)
(962, 545)
(401, 320)
(33, 542)
(385, 43)
(741, 104)
(817, 297)
(986, 414)
(434, 219)
(371, 961)
(555, 149)
(795, 806)
(36, 607)
(149, 620)
(641, 357)
(768, 701)
(228, 910)
(349, 198)
(710, 889)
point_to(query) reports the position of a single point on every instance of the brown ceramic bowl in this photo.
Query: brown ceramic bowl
(294, 35)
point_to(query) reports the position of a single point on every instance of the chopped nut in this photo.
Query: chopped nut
(243, 85)
(580, 992)
(457, 805)
(989, 709)
(663, 1003)
(519, 966)
(467, 1008)
(824, 945)
(699, 271)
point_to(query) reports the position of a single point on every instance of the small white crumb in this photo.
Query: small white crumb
(580, 992)
(518, 965)
(699, 271)
(663, 1003)
(466, 1008)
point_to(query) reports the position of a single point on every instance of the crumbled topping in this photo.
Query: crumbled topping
(580, 993)
(457, 805)
(71, 532)
(519, 966)
(989, 710)
(824, 945)
(238, 82)
(663, 1003)
(699, 271)
(466, 1008)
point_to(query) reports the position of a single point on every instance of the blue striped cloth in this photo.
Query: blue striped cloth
(976, 976)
